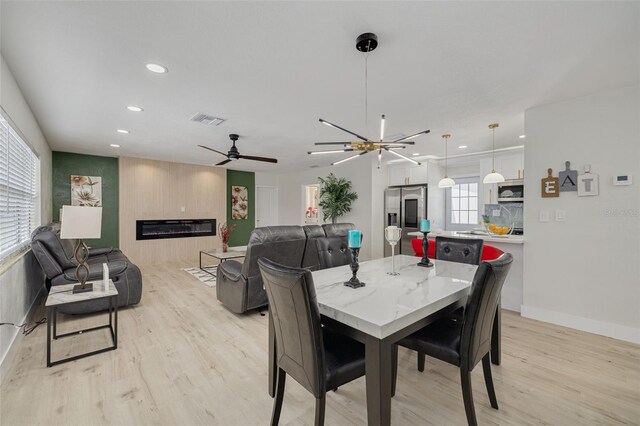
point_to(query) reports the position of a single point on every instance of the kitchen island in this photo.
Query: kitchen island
(512, 290)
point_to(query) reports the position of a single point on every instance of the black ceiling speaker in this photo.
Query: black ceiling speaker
(234, 154)
(367, 42)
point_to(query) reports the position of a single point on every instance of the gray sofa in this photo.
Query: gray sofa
(56, 258)
(239, 285)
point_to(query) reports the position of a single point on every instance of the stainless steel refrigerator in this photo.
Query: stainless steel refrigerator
(404, 206)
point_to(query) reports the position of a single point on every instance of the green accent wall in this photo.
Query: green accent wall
(240, 236)
(65, 164)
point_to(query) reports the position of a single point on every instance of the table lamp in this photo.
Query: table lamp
(79, 223)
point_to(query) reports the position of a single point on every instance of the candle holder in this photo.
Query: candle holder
(393, 235)
(354, 282)
(425, 247)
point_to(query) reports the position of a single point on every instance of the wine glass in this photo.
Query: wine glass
(393, 234)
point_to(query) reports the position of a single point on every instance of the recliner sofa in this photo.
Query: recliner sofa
(56, 257)
(239, 285)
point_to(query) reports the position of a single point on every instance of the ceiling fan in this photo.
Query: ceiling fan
(234, 154)
(366, 43)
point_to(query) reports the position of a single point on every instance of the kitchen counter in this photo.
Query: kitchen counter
(507, 239)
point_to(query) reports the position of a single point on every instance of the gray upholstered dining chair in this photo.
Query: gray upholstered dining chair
(332, 252)
(466, 342)
(461, 250)
(313, 355)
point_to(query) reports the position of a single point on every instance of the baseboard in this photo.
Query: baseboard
(602, 328)
(9, 356)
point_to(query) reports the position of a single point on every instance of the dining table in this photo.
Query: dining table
(387, 309)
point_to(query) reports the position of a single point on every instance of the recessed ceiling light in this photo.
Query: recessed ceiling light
(122, 131)
(415, 153)
(522, 136)
(462, 147)
(157, 68)
(134, 108)
(114, 145)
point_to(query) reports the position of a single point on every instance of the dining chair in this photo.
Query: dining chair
(467, 342)
(461, 250)
(332, 252)
(314, 356)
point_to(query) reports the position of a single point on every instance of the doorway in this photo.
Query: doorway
(266, 206)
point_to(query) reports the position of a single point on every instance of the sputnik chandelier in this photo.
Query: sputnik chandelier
(366, 43)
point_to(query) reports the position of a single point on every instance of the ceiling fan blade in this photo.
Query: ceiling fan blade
(402, 156)
(424, 132)
(332, 151)
(211, 149)
(222, 163)
(349, 158)
(344, 130)
(265, 159)
(332, 143)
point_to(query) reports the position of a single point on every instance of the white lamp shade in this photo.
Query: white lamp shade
(80, 222)
(446, 183)
(493, 177)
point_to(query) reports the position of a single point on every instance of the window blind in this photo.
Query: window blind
(18, 191)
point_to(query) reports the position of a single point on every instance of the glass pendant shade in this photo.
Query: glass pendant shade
(493, 177)
(446, 182)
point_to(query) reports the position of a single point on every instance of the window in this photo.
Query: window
(462, 204)
(19, 170)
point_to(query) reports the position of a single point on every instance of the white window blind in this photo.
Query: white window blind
(18, 191)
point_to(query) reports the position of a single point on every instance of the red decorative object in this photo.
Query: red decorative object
(225, 233)
(416, 244)
(490, 253)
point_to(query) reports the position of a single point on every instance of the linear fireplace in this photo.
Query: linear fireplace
(174, 228)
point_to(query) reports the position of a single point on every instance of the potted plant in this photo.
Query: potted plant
(335, 197)
(225, 233)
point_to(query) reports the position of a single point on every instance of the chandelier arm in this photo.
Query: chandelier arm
(332, 143)
(412, 136)
(403, 156)
(332, 151)
(343, 129)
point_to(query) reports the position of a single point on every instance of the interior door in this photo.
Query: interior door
(266, 206)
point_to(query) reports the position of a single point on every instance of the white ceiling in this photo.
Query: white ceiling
(273, 68)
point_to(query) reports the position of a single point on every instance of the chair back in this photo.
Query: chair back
(337, 229)
(296, 320)
(53, 253)
(480, 311)
(332, 252)
(310, 258)
(461, 250)
(282, 244)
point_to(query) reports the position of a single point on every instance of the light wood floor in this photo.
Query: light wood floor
(185, 360)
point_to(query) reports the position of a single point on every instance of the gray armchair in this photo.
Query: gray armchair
(239, 285)
(56, 257)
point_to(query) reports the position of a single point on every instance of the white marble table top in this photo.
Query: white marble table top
(230, 254)
(508, 239)
(62, 294)
(390, 303)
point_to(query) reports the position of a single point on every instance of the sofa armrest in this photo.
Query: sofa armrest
(231, 270)
(95, 271)
(100, 251)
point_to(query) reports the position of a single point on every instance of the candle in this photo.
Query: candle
(354, 238)
(425, 225)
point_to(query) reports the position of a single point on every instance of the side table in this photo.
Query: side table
(60, 295)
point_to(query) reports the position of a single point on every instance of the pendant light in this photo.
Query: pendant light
(493, 177)
(446, 182)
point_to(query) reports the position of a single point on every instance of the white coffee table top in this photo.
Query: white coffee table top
(390, 303)
(62, 294)
(229, 254)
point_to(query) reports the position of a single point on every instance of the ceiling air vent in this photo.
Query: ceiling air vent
(209, 120)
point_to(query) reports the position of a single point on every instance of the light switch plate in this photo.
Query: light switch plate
(544, 216)
(561, 215)
(620, 180)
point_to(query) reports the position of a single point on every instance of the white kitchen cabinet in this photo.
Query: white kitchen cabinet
(402, 174)
(510, 166)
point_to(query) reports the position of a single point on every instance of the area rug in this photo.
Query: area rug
(204, 277)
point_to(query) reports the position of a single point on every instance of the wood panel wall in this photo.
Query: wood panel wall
(160, 190)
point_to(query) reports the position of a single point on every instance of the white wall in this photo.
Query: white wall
(585, 272)
(290, 196)
(21, 280)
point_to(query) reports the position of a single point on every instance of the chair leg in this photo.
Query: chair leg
(394, 370)
(421, 357)
(488, 380)
(320, 402)
(467, 396)
(277, 403)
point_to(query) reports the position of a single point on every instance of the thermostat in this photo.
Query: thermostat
(622, 180)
